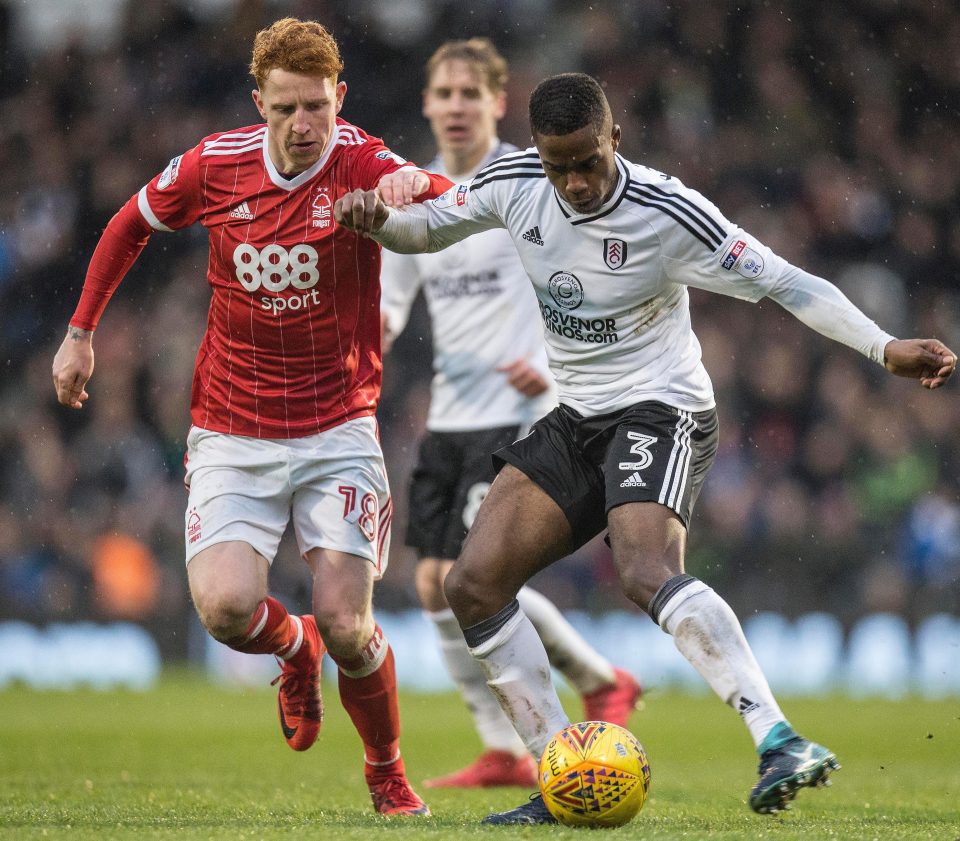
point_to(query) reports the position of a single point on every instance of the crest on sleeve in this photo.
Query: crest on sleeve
(169, 175)
(387, 155)
(742, 259)
(614, 252)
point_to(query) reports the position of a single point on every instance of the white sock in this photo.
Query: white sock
(494, 728)
(569, 653)
(518, 672)
(708, 634)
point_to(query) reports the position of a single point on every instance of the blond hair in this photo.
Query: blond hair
(297, 46)
(479, 52)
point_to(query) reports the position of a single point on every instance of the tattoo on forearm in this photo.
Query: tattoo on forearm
(77, 334)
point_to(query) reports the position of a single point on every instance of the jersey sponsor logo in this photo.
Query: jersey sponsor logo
(614, 253)
(275, 269)
(169, 175)
(597, 331)
(533, 235)
(387, 155)
(464, 285)
(242, 211)
(321, 208)
(461, 196)
(566, 290)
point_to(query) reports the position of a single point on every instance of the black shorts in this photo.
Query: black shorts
(649, 452)
(453, 474)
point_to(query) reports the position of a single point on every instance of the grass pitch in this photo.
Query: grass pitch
(193, 761)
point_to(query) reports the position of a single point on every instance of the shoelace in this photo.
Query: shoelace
(394, 791)
(290, 685)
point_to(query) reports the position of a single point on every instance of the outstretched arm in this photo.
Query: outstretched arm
(823, 307)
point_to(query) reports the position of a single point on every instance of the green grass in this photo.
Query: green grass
(193, 761)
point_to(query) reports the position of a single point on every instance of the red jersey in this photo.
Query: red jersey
(292, 345)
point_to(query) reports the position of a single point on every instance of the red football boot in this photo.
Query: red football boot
(394, 796)
(491, 768)
(614, 702)
(298, 702)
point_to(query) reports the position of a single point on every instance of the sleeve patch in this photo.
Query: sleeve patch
(742, 259)
(456, 195)
(387, 155)
(169, 175)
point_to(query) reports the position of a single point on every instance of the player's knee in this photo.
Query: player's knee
(225, 611)
(344, 631)
(469, 594)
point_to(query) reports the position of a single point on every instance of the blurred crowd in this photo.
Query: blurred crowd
(828, 130)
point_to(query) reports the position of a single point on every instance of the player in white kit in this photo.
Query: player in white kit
(491, 383)
(611, 247)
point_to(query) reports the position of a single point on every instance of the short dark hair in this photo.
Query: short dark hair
(567, 102)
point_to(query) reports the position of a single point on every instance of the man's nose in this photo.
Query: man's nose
(300, 123)
(576, 183)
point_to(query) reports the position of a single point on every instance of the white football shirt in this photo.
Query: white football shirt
(612, 285)
(483, 314)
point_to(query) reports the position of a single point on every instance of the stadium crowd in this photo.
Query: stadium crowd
(826, 130)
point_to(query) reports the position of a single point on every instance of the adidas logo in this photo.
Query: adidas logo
(533, 235)
(747, 706)
(241, 211)
(633, 481)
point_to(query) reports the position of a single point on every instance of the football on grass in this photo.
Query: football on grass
(594, 774)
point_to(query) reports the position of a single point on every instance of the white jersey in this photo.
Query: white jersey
(612, 284)
(483, 314)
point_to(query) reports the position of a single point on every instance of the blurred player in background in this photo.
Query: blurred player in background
(491, 382)
(611, 247)
(285, 387)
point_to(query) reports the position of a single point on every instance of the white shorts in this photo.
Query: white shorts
(333, 483)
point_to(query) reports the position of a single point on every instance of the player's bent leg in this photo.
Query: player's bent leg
(648, 542)
(609, 694)
(228, 582)
(518, 531)
(367, 679)
(504, 760)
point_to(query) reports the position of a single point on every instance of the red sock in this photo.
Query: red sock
(271, 631)
(368, 691)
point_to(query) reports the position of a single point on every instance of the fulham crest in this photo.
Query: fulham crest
(614, 253)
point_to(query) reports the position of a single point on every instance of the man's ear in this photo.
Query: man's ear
(258, 101)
